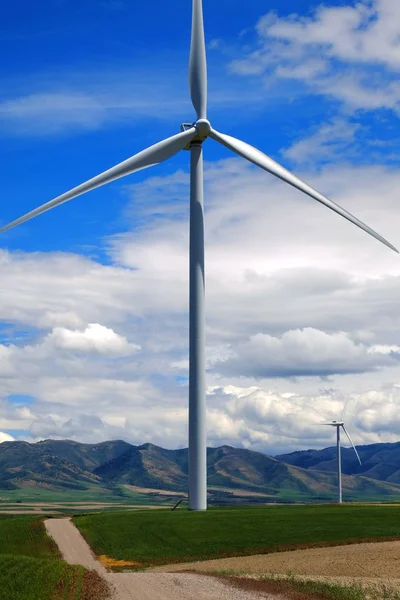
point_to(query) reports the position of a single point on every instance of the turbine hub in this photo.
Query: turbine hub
(203, 128)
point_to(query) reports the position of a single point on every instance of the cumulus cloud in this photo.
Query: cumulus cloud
(301, 352)
(5, 437)
(14, 416)
(79, 426)
(379, 411)
(95, 338)
(323, 294)
(349, 52)
(273, 422)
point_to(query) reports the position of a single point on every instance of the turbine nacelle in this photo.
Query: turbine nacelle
(203, 128)
(338, 425)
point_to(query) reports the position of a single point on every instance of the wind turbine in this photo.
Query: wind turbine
(191, 138)
(338, 425)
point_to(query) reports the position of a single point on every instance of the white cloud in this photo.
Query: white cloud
(349, 52)
(14, 416)
(39, 290)
(384, 349)
(71, 100)
(301, 352)
(5, 437)
(80, 426)
(363, 32)
(275, 422)
(65, 102)
(56, 111)
(276, 263)
(95, 338)
(328, 142)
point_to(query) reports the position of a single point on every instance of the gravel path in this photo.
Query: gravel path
(145, 586)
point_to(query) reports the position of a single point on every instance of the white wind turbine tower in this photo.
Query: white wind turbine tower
(340, 425)
(191, 138)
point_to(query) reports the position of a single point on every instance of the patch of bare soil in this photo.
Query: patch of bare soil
(379, 560)
(142, 490)
(94, 587)
(26, 511)
(240, 493)
(54, 508)
(280, 589)
(68, 504)
(90, 587)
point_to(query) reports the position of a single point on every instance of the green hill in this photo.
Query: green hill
(379, 461)
(36, 465)
(234, 474)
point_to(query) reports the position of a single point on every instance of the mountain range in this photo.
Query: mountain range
(234, 474)
(379, 461)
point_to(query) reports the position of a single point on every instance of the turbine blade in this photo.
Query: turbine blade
(197, 62)
(146, 158)
(265, 162)
(351, 442)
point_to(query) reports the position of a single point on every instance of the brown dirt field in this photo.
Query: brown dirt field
(240, 493)
(54, 507)
(375, 561)
(142, 490)
(26, 511)
(72, 504)
(281, 590)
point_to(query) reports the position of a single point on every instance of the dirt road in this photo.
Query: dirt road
(145, 586)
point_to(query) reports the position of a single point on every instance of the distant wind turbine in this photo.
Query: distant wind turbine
(191, 138)
(338, 425)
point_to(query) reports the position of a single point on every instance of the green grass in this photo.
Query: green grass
(26, 578)
(25, 535)
(120, 495)
(162, 537)
(31, 568)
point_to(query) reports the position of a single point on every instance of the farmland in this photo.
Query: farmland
(163, 537)
(25, 536)
(31, 569)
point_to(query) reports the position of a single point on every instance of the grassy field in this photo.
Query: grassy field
(25, 536)
(120, 494)
(31, 569)
(162, 537)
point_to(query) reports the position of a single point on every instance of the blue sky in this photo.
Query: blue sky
(94, 300)
(75, 75)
